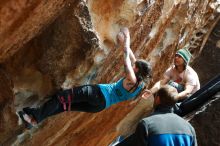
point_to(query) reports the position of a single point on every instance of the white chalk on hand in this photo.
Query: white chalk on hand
(121, 37)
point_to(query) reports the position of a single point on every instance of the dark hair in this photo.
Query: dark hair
(167, 95)
(144, 70)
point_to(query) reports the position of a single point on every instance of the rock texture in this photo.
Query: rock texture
(8, 120)
(208, 63)
(206, 123)
(48, 45)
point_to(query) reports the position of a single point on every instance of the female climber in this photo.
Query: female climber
(97, 97)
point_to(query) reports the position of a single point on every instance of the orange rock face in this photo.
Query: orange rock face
(53, 44)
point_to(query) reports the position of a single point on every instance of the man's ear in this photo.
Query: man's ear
(146, 94)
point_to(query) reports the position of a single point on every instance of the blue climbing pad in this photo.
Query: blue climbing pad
(200, 97)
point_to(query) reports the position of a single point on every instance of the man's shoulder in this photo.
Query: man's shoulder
(169, 71)
(191, 71)
(168, 119)
(158, 115)
(170, 68)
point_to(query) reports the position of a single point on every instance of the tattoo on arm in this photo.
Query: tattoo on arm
(130, 84)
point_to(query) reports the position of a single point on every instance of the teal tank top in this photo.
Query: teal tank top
(115, 92)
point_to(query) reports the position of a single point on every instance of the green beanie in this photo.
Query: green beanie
(185, 54)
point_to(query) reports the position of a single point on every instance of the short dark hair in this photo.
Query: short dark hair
(144, 70)
(167, 95)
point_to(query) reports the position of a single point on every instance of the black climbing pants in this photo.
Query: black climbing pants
(87, 98)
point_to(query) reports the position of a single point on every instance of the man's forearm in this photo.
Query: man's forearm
(156, 87)
(182, 95)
